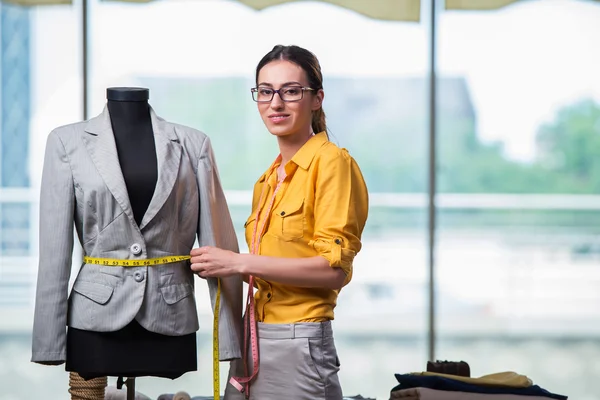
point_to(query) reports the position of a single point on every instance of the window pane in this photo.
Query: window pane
(517, 275)
(39, 90)
(198, 60)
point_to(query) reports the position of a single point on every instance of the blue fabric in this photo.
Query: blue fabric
(442, 383)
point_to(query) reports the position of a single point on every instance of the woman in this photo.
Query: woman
(308, 213)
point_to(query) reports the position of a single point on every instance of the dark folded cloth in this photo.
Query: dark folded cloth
(460, 368)
(408, 381)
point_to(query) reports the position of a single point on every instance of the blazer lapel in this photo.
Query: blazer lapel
(100, 143)
(168, 153)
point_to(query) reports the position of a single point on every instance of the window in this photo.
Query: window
(517, 258)
(517, 246)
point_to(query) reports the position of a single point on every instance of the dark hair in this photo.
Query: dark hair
(310, 64)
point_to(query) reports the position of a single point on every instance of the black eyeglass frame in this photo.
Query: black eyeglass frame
(277, 91)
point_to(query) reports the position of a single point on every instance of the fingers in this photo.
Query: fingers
(199, 259)
(200, 270)
(199, 264)
(204, 273)
(200, 250)
(207, 261)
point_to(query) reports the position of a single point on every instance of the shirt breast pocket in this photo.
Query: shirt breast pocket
(249, 227)
(291, 220)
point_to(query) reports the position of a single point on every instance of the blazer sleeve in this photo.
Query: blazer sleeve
(57, 204)
(215, 228)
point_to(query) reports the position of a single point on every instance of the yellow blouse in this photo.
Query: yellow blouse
(320, 210)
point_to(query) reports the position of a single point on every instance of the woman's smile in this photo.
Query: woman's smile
(278, 117)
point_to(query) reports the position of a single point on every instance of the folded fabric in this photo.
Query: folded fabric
(432, 394)
(169, 396)
(112, 393)
(509, 379)
(408, 381)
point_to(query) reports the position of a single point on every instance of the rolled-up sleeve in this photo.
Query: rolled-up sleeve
(340, 210)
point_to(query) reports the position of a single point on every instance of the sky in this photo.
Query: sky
(521, 63)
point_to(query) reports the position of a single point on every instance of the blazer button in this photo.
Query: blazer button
(138, 276)
(136, 249)
(338, 241)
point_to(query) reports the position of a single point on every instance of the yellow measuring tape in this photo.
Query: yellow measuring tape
(216, 376)
(112, 262)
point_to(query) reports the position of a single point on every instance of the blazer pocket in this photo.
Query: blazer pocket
(174, 293)
(290, 217)
(96, 292)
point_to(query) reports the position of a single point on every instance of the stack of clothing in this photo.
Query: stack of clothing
(185, 396)
(433, 385)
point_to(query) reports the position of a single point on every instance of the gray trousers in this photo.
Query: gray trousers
(297, 362)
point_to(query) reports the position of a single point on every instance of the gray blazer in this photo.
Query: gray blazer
(82, 185)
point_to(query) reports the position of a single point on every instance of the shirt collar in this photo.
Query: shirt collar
(303, 157)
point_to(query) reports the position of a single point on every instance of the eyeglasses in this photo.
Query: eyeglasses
(288, 94)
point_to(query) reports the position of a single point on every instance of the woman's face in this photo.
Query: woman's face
(291, 117)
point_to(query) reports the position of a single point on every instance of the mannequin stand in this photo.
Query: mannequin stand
(92, 389)
(130, 383)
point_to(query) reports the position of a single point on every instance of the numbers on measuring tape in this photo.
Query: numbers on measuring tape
(109, 262)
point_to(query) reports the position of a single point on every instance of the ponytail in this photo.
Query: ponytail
(318, 121)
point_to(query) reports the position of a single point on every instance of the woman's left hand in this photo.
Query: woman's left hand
(212, 262)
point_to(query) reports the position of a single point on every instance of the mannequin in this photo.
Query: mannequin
(130, 119)
(132, 351)
(136, 188)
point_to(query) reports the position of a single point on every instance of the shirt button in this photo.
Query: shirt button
(338, 241)
(268, 295)
(136, 249)
(138, 276)
(282, 213)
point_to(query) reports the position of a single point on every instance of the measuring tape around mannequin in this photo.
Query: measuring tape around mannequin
(242, 384)
(111, 262)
